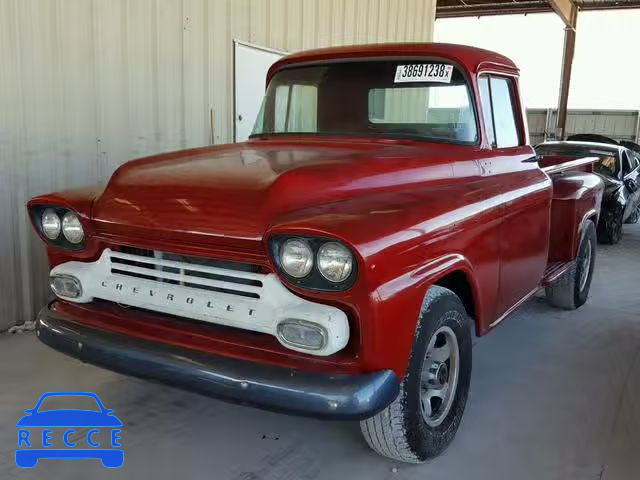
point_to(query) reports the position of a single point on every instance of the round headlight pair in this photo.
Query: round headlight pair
(70, 226)
(334, 260)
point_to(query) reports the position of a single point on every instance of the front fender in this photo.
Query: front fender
(397, 305)
(407, 241)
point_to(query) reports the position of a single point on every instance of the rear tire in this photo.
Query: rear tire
(423, 420)
(571, 290)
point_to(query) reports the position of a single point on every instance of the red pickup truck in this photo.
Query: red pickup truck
(386, 208)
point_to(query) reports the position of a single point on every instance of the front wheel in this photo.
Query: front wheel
(423, 420)
(571, 290)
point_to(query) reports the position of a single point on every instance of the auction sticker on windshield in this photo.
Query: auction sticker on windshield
(424, 72)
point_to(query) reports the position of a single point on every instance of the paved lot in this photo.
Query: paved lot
(555, 395)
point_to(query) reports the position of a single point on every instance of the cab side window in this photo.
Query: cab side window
(498, 110)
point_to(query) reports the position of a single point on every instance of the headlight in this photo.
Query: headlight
(72, 228)
(51, 224)
(335, 262)
(296, 258)
(315, 262)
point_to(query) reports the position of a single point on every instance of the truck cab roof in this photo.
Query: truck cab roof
(471, 59)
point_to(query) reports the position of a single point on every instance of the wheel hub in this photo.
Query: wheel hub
(438, 374)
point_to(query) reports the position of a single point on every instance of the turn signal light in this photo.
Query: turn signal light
(302, 334)
(65, 286)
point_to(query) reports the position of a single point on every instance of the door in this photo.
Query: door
(251, 64)
(525, 191)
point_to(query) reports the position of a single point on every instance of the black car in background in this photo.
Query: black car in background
(594, 137)
(619, 167)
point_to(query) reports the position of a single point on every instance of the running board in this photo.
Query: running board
(555, 270)
(551, 273)
(510, 311)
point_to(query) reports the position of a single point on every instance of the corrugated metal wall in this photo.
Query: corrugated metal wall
(88, 84)
(617, 124)
(537, 121)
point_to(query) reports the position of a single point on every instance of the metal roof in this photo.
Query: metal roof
(471, 8)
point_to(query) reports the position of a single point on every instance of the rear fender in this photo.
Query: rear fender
(576, 198)
(591, 216)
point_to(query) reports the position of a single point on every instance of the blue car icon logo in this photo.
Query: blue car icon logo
(41, 427)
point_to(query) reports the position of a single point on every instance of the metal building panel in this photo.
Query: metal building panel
(195, 74)
(536, 119)
(219, 63)
(620, 124)
(277, 33)
(112, 139)
(325, 25)
(259, 30)
(616, 124)
(11, 184)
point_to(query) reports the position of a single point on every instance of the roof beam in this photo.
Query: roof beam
(565, 79)
(566, 10)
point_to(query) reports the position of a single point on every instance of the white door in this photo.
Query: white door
(250, 72)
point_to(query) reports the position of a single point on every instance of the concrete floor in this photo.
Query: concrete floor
(555, 395)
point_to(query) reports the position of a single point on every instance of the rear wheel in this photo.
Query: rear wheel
(423, 420)
(571, 290)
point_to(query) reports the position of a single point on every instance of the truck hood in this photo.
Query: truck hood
(238, 190)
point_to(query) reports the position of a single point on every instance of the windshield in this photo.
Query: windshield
(428, 100)
(607, 165)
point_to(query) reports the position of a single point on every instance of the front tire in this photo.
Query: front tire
(571, 290)
(423, 420)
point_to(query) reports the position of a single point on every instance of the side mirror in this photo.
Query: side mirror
(29, 410)
(631, 184)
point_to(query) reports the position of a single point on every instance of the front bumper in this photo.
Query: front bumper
(348, 397)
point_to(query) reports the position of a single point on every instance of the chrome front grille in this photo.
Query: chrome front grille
(221, 276)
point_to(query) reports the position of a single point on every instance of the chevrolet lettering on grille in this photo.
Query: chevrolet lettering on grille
(193, 300)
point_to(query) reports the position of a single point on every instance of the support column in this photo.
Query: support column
(565, 80)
